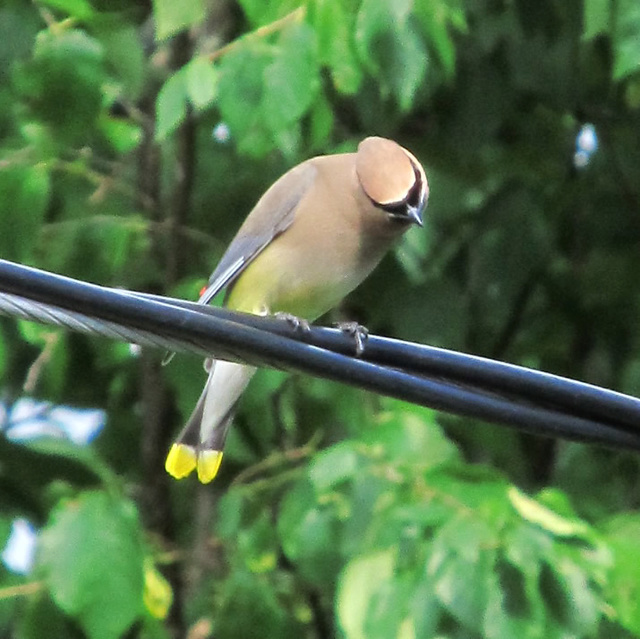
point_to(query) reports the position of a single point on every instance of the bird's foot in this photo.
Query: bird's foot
(296, 323)
(358, 332)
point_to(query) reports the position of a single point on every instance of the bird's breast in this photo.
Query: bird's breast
(330, 247)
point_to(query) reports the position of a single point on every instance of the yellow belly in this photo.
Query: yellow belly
(305, 293)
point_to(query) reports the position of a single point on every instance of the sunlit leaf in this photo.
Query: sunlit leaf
(291, 81)
(361, 580)
(439, 20)
(171, 105)
(597, 17)
(157, 595)
(536, 513)
(624, 581)
(171, 17)
(334, 31)
(336, 464)
(202, 82)
(123, 135)
(626, 43)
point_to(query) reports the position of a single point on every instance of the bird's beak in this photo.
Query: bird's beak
(415, 215)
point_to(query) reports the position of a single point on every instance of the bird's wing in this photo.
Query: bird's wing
(271, 216)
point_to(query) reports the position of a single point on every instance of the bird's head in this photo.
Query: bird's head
(393, 179)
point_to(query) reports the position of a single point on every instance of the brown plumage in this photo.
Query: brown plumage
(311, 238)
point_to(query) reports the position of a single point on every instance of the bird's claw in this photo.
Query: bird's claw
(296, 323)
(358, 332)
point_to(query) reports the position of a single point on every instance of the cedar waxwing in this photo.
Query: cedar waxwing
(310, 240)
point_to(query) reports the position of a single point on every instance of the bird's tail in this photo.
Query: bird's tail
(200, 444)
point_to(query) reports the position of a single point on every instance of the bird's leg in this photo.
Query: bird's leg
(296, 323)
(358, 332)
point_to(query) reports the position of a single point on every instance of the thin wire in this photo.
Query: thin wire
(509, 380)
(178, 325)
(25, 309)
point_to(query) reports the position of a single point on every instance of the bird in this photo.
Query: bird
(313, 236)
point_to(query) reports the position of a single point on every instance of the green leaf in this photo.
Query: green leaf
(63, 83)
(291, 81)
(158, 595)
(387, 614)
(91, 555)
(260, 13)
(626, 44)
(438, 18)
(229, 514)
(309, 535)
(202, 82)
(474, 486)
(412, 251)
(509, 612)
(322, 122)
(632, 93)
(42, 618)
(390, 47)
(461, 563)
(171, 105)
(265, 90)
(251, 607)
(27, 471)
(623, 586)
(172, 17)
(24, 197)
(361, 580)
(80, 9)
(462, 587)
(364, 513)
(124, 56)
(241, 97)
(426, 609)
(596, 18)
(257, 12)
(570, 595)
(534, 512)
(409, 435)
(122, 135)
(5, 530)
(98, 248)
(258, 545)
(333, 25)
(334, 465)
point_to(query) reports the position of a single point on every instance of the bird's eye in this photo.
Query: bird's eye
(412, 200)
(414, 197)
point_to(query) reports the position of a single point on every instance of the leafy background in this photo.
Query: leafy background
(135, 137)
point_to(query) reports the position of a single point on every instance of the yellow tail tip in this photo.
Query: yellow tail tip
(208, 463)
(181, 461)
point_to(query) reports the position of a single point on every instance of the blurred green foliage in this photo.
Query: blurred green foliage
(135, 137)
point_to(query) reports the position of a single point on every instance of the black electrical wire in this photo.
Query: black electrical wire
(229, 335)
(576, 397)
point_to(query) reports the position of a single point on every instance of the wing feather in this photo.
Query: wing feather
(271, 216)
